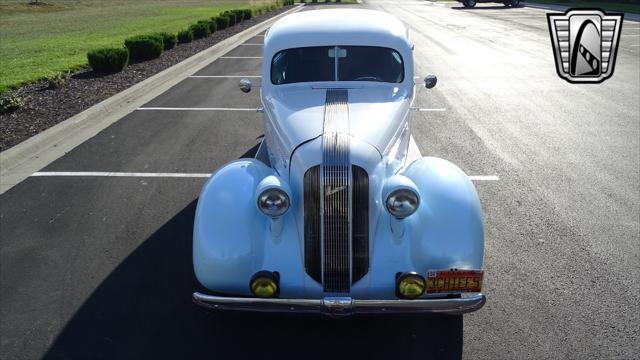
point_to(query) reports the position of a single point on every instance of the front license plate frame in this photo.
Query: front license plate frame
(454, 281)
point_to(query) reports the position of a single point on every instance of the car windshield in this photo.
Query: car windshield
(337, 63)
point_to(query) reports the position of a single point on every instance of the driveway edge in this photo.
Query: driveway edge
(20, 161)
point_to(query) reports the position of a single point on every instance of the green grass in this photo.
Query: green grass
(626, 6)
(38, 42)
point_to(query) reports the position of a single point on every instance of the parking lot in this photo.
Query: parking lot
(95, 256)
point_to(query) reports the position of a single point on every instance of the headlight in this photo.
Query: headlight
(402, 203)
(264, 284)
(273, 202)
(410, 286)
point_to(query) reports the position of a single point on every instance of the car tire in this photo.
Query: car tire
(515, 3)
(469, 3)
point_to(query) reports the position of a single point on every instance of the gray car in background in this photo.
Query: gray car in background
(472, 3)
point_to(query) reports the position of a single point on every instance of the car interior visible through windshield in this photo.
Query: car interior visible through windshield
(337, 63)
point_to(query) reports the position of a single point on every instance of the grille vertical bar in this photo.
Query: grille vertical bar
(312, 217)
(359, 223)
(336, 190)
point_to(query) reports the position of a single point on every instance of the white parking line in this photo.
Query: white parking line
(240, 57)
(196, 109)
(167, 175)
(223, 76)
(120, 174)
(244, 109)
(429, 110)
(484, 178)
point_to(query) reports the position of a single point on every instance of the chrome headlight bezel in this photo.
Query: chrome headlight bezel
(402, 203)
(400, 196)
(273, 202)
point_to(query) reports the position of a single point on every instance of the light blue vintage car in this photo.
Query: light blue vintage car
(339, 213)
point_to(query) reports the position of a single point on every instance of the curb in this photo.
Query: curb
(20, 161)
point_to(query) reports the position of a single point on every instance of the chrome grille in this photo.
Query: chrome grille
(312, 217)
(336, 206)
(335, 193)
(359, 223)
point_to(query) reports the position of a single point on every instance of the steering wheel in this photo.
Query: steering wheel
(365, 78)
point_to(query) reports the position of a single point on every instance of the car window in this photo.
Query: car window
(367, 63)
(353, 63)
(302, 65)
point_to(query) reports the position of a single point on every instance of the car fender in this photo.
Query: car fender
(232, 240)
(447, 230)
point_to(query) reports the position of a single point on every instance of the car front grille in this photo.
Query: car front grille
(335, 215)
(312, 221)
(333, 257)
(336, 205)
(359, 223)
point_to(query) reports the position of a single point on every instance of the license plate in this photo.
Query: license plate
(454, 281)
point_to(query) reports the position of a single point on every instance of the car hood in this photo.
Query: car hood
(376, 113)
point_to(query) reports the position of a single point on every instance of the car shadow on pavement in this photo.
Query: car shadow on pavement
(251, 152)
(143, 310)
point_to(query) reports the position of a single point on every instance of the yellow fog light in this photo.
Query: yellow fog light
(410, 286)
(264, 284)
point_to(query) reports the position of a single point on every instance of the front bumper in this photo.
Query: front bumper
(339, 306)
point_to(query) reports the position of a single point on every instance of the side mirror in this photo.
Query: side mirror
(245, 85)
(430, 81)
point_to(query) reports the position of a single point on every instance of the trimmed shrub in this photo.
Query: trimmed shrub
(222, 22)
(169, 40)
(185, 36)
(108, 60)
(10, 102)
(200, 30)
(230, 16)
(239, 15)
(211, 24)
(246, 14)
(261, 10)
(144, 47)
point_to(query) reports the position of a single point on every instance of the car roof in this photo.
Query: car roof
(337, 27)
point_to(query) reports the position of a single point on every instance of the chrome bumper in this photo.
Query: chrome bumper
(340, 306)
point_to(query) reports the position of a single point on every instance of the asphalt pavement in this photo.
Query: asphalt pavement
(99, 267)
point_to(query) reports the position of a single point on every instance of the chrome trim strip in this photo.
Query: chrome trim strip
(335, 196)
(335, 306)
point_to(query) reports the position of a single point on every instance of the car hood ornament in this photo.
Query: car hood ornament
(585, 43)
